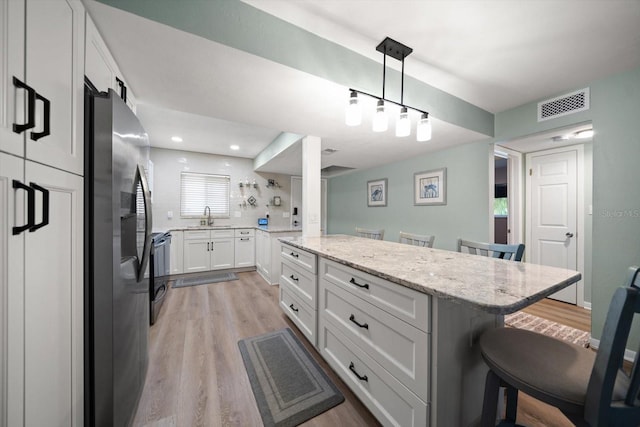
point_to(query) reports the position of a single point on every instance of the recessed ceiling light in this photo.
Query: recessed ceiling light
(234, 147)
(176, 139)
(587, 133)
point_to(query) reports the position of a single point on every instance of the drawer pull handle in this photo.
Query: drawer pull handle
(293, 308)
(362, 325)
(353, 281)
(360, 377)
(293, 254)
(294, 278)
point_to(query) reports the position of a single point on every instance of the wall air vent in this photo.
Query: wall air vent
(563, 105)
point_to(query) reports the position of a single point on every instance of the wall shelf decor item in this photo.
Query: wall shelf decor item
(377, 192)
(430, 187)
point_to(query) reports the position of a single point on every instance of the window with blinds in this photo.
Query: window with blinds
(198, 190)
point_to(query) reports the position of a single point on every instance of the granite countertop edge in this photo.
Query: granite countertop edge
(488, 308)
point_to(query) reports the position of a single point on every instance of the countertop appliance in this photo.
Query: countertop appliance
(117, 250)
(160, 269)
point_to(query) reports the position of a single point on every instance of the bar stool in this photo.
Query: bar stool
(370, 234)
(416, 239)
(590, 388)
(509, 252)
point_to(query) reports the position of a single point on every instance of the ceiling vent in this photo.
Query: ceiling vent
(563, 105)
(328, 151)
(334, 170)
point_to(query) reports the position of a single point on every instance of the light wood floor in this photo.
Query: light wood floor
(196, 376)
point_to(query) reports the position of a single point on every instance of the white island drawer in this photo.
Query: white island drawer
(299, 257)
(300, 313)
(301, 280)
(389, 401)
(400, 348)
(400, 301)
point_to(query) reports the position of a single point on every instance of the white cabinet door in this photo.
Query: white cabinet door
(259, 249)
(266, 256)
(11, 290)
(53, 302)
(223, 254)
(197, 255)
(98, 60)
(55, 70)
(245, 250)
(177, 250)
(11, 65)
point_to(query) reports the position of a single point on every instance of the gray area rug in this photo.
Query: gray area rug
(289, 386)
(204, 279)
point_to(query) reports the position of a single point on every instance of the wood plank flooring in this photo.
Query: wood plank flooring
(196, 376)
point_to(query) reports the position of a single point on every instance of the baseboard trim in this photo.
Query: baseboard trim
(587, 305)
(629, 355)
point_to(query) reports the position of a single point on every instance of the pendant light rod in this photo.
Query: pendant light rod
(384, 73)
(388, 100)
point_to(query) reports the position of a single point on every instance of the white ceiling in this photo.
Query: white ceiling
(494, 54)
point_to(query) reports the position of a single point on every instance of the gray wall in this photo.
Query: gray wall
(614, 112)
(466, 213)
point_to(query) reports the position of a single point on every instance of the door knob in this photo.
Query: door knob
(569, 235)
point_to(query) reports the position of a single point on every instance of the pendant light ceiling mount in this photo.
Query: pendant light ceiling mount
(398, 51)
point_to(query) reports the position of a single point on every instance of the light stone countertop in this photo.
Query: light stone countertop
(270, 229)
(488, 284)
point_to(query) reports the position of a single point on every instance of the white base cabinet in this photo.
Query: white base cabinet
(177, 251)
(268, 253)
(245, 247)
(42, 295)
(206, 250)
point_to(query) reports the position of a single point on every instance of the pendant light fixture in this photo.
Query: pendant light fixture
(396, 50)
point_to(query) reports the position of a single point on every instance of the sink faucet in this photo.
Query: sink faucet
(209, 219)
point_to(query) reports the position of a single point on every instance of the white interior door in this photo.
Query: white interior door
(552, 210)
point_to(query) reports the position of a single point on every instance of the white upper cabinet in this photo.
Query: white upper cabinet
(102, 69)
(41, 99)
(11, 67)
(55, 71)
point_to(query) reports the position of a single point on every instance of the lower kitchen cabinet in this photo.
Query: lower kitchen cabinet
(206, 250)
(41, 292)
(177, 251)
(245, 247)
(268, 253)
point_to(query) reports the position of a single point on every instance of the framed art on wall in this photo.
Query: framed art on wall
(430, 187)
(377, 192)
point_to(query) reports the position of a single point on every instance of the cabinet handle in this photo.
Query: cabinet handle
(208, 246)
(244, 239)
(31, 106)
(212, 246)
(293, 254)
(293, 308)
(45, 207)
(47, 119)
(362, 325)
(360, 377)
(353, 281)
(31, 213)
(244, 232)
(294, 278)
(123, 90)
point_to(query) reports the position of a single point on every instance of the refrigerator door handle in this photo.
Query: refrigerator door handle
(147, 222)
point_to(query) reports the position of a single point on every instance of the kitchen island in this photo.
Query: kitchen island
(400, 323)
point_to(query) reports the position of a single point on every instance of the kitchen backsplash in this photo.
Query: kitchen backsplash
(168, 164)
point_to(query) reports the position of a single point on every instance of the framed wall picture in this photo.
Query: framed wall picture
(377, 192)
(430, 187)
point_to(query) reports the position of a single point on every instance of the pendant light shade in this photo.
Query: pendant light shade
(423, 130)
(354, 111)
(403, 124)
(380, 119)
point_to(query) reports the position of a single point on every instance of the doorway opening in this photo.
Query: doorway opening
(549, 177)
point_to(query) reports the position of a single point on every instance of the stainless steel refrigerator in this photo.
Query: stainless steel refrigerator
(117, 245)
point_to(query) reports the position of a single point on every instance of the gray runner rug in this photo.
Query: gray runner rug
(289, 386)
(204, 279)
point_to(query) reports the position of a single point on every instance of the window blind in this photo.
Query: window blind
(198, 190)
